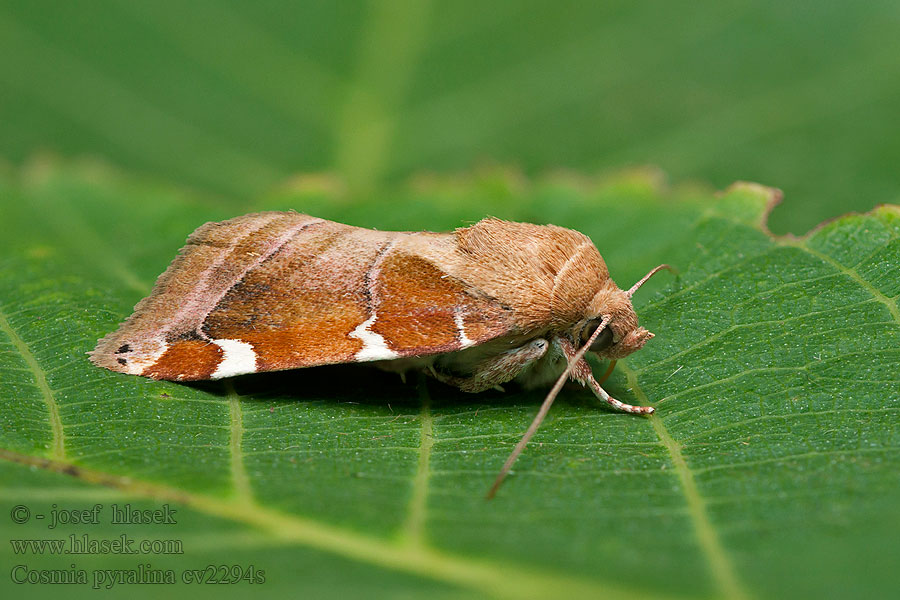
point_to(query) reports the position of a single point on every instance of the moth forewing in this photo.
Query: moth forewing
(474, 308)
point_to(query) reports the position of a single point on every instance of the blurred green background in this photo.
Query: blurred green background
(234, 97)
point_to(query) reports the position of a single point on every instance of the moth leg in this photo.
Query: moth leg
(493, 371)
(583, 374)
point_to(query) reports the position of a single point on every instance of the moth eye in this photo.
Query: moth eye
(603, 341)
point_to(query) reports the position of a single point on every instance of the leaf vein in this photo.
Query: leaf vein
(853, 274)
(412, 532)
(239, 478)
(840, 411)
(721, 569)
(58, 444)
(790, 457)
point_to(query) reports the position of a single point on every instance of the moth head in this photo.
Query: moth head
(622, 335)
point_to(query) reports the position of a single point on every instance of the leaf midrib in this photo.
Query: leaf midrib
(499, 579)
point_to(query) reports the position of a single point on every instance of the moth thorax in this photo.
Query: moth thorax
(577, 285)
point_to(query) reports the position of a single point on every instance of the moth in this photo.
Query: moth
(474, 308)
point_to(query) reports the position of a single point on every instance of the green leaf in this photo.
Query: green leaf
(770, 468)
(234, 96)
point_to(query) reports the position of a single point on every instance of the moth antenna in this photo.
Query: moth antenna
(644, 279)
(545, 408)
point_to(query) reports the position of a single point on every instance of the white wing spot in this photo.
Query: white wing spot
(374, 346)
(238, 358)
(464, 340)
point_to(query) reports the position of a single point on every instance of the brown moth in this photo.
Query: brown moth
(475, 308)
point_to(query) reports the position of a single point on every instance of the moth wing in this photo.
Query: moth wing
(274, 291)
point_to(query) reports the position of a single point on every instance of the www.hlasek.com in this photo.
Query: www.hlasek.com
(86, 544)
